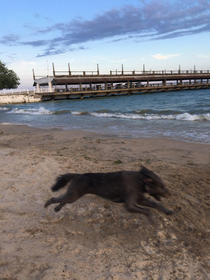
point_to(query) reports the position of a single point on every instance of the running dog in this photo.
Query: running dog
(128, 187)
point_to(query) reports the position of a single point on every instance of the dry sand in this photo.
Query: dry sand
(93, 238)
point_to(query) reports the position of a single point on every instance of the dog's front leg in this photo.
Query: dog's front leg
(153, 204)
(130, 205)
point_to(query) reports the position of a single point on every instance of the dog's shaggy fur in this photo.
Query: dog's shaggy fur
(126, 187)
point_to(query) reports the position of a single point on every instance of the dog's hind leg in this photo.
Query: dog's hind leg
(71, 196)
(61, 200)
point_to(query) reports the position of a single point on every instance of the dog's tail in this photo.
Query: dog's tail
(62, 181)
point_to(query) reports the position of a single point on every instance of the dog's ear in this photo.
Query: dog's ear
(150, 176)
(146, 171)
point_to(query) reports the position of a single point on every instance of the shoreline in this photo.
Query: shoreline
(199, 153)
(101, 134)
(94, 238)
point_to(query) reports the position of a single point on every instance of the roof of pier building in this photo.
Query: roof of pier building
(98, 79)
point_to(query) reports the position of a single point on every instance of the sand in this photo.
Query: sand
(94, 238)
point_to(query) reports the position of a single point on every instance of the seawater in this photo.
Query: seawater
(180, 115)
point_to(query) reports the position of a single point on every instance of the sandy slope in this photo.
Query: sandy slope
(94, 238)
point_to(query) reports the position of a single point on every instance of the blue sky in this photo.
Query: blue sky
(161, 34)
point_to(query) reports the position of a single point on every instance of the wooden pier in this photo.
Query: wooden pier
(93, 84)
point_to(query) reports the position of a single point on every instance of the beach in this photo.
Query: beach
(94, 238)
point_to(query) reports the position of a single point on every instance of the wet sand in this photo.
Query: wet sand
(94, 238)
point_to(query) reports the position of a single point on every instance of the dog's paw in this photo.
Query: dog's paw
(57, 208)
(170, 212)
(47, 203)
(178, 209)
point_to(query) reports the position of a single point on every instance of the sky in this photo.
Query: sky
(160, 34)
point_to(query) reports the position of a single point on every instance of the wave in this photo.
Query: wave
(61, 112)
(189, 117)
(109, 114)
(38, 111)
(4, 108)
(183, 116)
(159, 112)
(80, 113)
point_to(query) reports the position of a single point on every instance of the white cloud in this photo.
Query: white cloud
(22, 64)
(100, 57)
(121, 60)
(204, 56)
(160, 56)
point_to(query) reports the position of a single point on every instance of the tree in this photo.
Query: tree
(8, 78)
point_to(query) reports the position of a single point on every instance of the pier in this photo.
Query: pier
(81, 84)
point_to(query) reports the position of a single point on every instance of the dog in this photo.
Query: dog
(128, 187)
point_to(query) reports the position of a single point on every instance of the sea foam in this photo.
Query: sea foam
(32, 111)
(182, 117)
(4, 108)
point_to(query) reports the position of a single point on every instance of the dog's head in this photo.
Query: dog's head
(154, 186)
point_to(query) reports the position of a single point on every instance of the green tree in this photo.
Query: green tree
(8, 78)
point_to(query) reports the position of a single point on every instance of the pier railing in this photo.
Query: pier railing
(47, 89)
(69, 72)
(26, 91)
(134, 72)
(18, 91)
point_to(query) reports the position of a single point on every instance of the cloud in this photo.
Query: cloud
(204, 56)
(150, 20)
(54, 51)
(21, 65)
(51, 51)
(37, 15)
(10, 40)
(160, 56)
(118, 61)
(37, 43)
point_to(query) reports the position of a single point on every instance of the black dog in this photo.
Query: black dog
(121, 187)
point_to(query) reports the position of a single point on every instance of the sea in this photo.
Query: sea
(178, 115)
